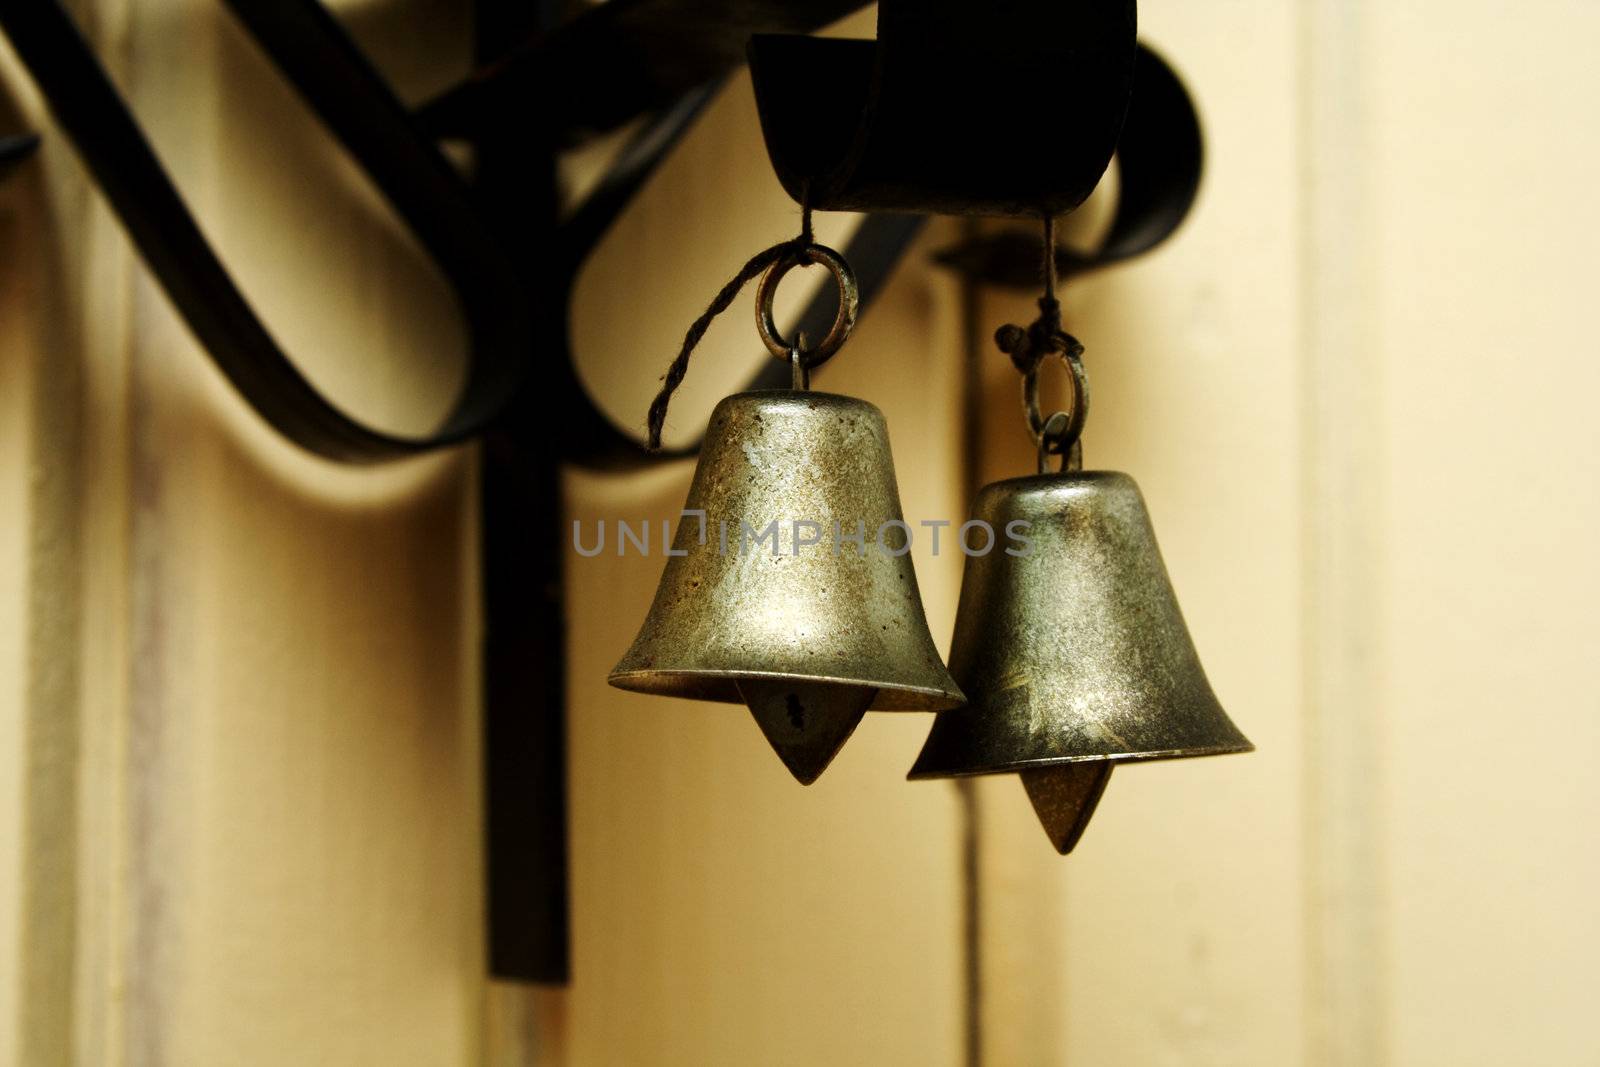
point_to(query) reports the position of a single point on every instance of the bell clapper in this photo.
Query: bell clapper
(1064, 797)
(807, 723)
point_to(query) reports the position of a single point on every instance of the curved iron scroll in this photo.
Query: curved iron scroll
(615, 61)
(352, 99)
(1159, 162)
(950, 111)
(366, 117)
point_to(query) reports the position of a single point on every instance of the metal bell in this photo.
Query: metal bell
(1072, 651)
(790, 587)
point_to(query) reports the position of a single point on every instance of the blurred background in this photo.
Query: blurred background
(240, 754)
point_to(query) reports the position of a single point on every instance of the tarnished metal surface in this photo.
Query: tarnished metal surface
(794, 607)
(1076, 651)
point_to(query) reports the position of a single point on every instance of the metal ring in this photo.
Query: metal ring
(1055, 427)
(1050, 440)
(843, 322)
(1077, 414)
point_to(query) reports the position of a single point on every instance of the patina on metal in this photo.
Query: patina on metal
(773, 602)
(790, 588)
(1075, 652)
(1071, 648)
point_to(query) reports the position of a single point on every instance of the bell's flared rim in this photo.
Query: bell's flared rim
(721, 686)
(919, 772)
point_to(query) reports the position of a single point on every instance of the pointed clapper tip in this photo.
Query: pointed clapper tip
(1064, 797)
(807, 723)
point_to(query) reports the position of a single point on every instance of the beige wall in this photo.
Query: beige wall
(1491, 614)
(239, 787)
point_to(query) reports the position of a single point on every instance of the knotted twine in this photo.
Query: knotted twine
(1028, 346)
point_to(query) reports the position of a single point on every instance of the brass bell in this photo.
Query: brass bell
(790, 588)
(1069, 645)
(1072, 651)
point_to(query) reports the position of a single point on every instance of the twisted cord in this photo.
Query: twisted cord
(719, 303)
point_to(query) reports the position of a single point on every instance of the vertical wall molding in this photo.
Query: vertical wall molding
(1342, 536)
(48, 325)
(96, 274)
(51, 736)
(106, 661)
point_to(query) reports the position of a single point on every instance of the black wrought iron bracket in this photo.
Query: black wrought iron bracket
(1004, 109)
